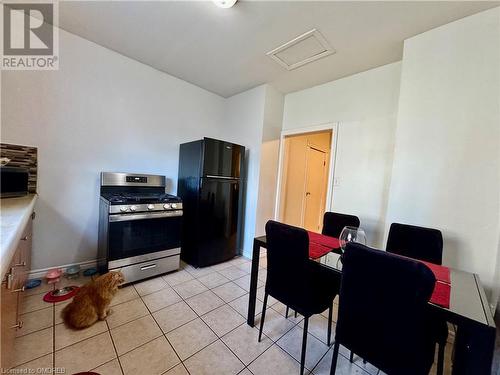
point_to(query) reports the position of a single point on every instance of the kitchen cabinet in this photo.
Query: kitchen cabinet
(12, 294)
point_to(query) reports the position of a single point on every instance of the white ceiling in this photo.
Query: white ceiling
(224, 50)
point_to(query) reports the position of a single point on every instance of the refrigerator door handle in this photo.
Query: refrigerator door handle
(222, 177)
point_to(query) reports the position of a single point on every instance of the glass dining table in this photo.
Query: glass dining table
(468, 310)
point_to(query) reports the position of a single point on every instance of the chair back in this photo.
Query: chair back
(383, 308)
(334, 222)
(287, 257)
(416, 242)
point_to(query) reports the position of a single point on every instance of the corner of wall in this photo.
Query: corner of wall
(268, 168)
(244, 120)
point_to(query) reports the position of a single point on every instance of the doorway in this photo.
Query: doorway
(304, 179)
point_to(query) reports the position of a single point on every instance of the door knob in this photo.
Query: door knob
(308, 193)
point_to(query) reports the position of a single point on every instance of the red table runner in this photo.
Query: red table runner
(441, 273)
(441, 294)
(320, 245)
(442, 288)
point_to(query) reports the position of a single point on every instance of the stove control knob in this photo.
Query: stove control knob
(166, 206)
(133, 208)
(124, 209)
(151, 207)
(174, 205)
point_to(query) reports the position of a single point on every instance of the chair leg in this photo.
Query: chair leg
(330, 317)
(295, 313)
(263, 316)
(304, 345)
(440, 364)
(286, 312)
(333, 368)
(351, 356)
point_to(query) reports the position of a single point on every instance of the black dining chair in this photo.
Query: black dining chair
(334, 222)
(416, 242)
(295, 280)
(424, 244)
(383, 311)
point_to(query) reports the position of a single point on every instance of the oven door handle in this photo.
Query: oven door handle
(144, 216)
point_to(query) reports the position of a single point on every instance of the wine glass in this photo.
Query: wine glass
(351, 234)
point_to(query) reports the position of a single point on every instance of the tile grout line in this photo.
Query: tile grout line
(184, 300)
(105, 363)
(53, 337)
(270, 346)
(314, 336)
(33, 359)
(109, 330)
(219, 338)
(53, 333)
(216, 335)
(39, 329)
(114, 347)
(163, 334)
(180, 363)
(198, 316)
(151, 314)
(273, 342)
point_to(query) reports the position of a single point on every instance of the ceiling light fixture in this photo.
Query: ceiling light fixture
(225, 3)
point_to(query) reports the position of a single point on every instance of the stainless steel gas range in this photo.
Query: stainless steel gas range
(139, 226)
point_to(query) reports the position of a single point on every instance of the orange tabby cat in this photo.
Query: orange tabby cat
(91, 303)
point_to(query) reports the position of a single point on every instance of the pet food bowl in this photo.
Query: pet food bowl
(53, 276)
(30, 284)
(61, 294)
(89, 272)
(73, 272)
(63, 291)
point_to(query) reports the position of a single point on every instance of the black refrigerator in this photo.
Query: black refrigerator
(210, 185)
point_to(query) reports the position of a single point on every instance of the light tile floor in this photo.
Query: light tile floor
(192, 321)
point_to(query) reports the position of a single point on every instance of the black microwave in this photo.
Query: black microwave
(13, 182)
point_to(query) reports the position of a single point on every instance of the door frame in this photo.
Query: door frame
(334, 127)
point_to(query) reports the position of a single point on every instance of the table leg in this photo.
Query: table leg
(253, 283)
(474, 346)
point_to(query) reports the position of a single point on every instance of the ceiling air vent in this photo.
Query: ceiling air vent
(302, 50)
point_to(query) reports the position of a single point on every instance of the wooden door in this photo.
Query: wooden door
(315, 189)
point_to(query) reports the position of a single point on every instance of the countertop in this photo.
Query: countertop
(14, 215)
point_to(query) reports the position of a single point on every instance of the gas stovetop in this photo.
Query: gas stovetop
(140, 198)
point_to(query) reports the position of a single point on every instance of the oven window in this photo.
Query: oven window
(137, 237)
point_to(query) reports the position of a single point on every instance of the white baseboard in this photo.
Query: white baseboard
(40, 273)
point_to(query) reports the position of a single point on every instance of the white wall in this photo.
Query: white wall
(365, 104)
(447, 158)
(268, 175)
(495, 293)
(245, 117)
(104, 112)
